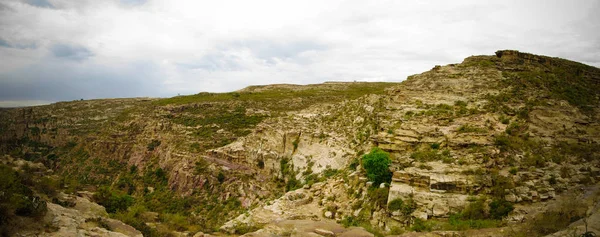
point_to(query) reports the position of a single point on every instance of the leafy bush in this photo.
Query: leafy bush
(500, 208)
(475, 210)
(31, 206)
(153, 144)
(329, 172)
(292, 184)
(504, 119)
(460, 103)
(201, 166)
(395, 204)
(421, 226)
(513, 170)
(378, 196)
(221, 177)
(515, 129)
(377, 163)
(426, 155)
(113, 201)
(476, 216)
(48, 186)
(16, 198)
(405, 207)
(241, 229)
(535, 160)
(260, 163)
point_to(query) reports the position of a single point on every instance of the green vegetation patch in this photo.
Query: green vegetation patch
(278, 99)
(557, 78)
(377, 163)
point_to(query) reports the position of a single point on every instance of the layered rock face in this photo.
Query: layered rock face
(315, 139)
(501, 127)
(452, 109)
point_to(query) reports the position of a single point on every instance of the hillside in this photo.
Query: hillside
(505, 143)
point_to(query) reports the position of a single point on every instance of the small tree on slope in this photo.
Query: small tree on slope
(377, 163)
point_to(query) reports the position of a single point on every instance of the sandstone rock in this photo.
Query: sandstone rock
(323, 232)
(510, 197)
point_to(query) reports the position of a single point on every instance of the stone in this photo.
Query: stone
(510, 198)
(323, 232)
(357, 212)
(329, 214)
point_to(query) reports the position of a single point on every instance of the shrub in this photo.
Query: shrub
(513, 170)
(421, 226)
(295, 143)
(292, 184)
(504, 120)
(503, 142)
(426, 155)
(535, 160)
(48, 186)
(500, 184)
(201, 166)
(31, 206)
(351, 221)
(329, 172)
(113, 201)
(379, 196)
(470, 129)
(434, 146)
(552, 179)
(405, 208)
(221, 177)
(17, 198)
(500, 208)
(395, 204)
(377, 163)
(353, 164)
(475, 210)
(515, 128)
(460, 103)
(241, 228)
(153, 144)
(260, 164)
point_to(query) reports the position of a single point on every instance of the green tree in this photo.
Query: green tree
(376, 164)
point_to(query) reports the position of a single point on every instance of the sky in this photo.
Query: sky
(61, 50)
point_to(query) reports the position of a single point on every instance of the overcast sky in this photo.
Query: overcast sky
(55, 50)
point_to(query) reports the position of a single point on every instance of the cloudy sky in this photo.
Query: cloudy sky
(55, 50)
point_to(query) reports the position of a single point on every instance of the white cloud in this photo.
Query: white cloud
(191, 46)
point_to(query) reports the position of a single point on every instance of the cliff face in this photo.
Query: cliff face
(516, 127)
(510, 117)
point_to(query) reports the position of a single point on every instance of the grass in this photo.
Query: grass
(466, 128)
(277, 99)
(217, 119)
(429, 154)
(558, 79)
